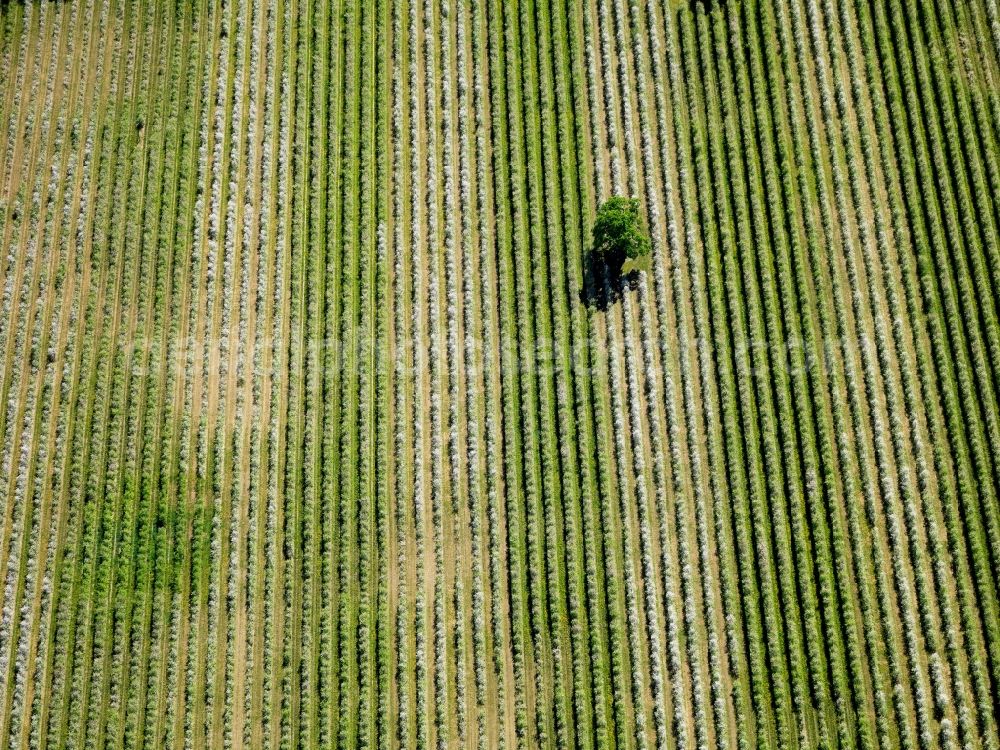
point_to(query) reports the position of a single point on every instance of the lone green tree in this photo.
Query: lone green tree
(618, 233)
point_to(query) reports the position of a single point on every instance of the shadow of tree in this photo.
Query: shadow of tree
(595, 293)
(706, 5)
(603, 285)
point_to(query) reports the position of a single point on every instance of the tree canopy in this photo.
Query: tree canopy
(618, 232)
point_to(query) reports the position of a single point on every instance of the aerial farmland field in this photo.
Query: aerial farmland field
(329, 420)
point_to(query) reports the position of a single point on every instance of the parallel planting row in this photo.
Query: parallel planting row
(322, 427)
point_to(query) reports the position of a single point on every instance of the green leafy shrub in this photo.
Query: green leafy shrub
(618, 233)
